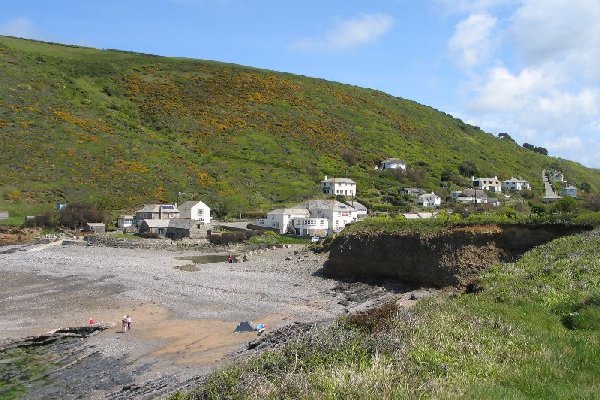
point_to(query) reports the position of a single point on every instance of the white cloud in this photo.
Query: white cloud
(541, 82)
(471, 41)
(349, 33)
(566, 30)
(566, 143)
(20, 27)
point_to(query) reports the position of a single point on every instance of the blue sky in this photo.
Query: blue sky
(527, 67)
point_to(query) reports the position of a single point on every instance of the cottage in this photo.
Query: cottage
(392, 163)
(94, 227)
(154, 226)
(429, 200)
(156, 211)
(195, 210)
(570, 191)
(338, 186)
(556, 176)
(179, 228)
(474, 196)
(491, 184)
(282, 219)
(412, 192)
(515, 184)
(125, 221)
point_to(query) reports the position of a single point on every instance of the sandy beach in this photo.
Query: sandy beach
(183, 322)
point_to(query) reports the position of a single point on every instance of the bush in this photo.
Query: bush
(591, 218)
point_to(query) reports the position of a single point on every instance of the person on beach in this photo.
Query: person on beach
(128, 322)
(124, 323)
(229, 259)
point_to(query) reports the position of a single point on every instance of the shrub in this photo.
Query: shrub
(591, 218)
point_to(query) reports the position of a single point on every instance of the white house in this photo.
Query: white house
(125, 221)
(556, 176)
(195, 210)
(338, 186)
(338, 214)
(392, 163)
(156, 211)
(515, 184)
(282, 218)
(570, 191)
(429, 200)
(491, 184)
(311, 218)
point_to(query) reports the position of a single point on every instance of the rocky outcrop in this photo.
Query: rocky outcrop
(452, 257)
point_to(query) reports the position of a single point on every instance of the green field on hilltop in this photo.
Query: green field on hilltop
(529, 329)
(118, 129)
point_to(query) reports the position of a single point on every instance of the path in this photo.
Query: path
(549, 194)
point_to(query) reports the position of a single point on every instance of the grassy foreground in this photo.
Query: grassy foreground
(530, 331)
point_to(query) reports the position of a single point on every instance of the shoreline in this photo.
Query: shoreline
(183, 322)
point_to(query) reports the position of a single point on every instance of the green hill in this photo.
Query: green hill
(118, 129)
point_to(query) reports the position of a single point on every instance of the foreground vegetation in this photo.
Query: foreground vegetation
(116, 129)
(530, 329)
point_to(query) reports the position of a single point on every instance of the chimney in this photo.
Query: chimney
(325, 177)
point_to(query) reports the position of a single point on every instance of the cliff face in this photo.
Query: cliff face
(449, 258)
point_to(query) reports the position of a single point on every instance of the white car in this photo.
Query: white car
(315, 239)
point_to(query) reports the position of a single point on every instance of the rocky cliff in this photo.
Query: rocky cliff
(452, 257)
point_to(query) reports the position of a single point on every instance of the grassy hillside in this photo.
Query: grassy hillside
(119, 129)
(530, 331)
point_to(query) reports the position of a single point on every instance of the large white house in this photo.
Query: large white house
(311, 218)
(491, 184)
(515, 184)
(392, 163)
(195, 210)
(338, 214)
(429, 200)
(282, 219)
(338, 186)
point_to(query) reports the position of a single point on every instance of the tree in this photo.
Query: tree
(535, 149)
(585, 186)
(468, 169)
(504, 135)
(349, 157)
(566, 204)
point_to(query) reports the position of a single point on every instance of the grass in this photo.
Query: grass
(271, 239)
(532, 331)
(122, 129)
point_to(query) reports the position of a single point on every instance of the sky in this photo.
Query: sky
(530, 68)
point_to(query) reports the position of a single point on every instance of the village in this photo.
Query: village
(321, 217)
